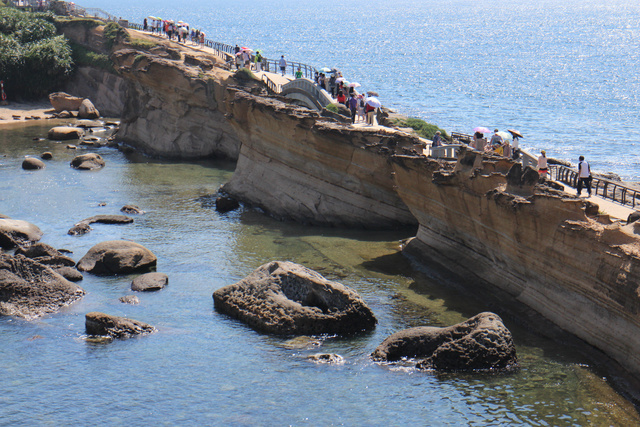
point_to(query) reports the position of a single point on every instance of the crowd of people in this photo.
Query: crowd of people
(363, 108)
(497, 144)
(180, 31)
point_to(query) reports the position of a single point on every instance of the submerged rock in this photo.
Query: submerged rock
(113, 326)
(71, 274)
(32, 163)
(289, 299)
(14, 232)
(89, 161)
(79, 229)
(150, 282)
(129, 299)
(83, 227)
(29, 289)
(330, 358)
(64, 133)
(47, 155)
(131, 210)
(226, 204)
(482, 342)
(117, 257)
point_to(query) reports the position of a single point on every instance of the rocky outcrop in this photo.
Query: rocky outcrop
(84, 227)
(482, 342)
(14, 232)
(288, 299)
(71, 274)
(61, 101)
(29, 289)
(89, 161)
(117, 257)
(46, 255)
(32, 163)
(107, 90)
(150, 282)
(115, 327)
(535, 245)
(296, 165)
(87, 110)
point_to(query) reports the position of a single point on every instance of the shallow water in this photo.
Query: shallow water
(564, 73)
(204, 368)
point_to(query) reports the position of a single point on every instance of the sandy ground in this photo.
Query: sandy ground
(20, 112)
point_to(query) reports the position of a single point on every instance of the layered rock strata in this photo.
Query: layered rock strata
(489, 224)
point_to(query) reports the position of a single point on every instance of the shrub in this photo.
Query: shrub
(48, 63)
(245, 74)
(83, 56)
(25, 27)
(333, 108)
(114, 34)
(142, 44)
(422, 128)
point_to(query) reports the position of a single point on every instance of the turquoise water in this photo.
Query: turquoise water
(202, 368)
(564, 73)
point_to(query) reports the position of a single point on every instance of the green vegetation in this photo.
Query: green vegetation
(245, 74)
(333, 108)
(62, 21)
(114, 34)
(33, 60)
(142, 44)
(424, 129)
(86, 57)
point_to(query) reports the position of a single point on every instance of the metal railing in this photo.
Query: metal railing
(271, 85)
(605, 188)
(308, 86)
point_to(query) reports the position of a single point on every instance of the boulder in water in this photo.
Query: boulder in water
(89, 161)
(131, 210)
(289, 299)
(32, 163)
(115, 327)
(64, 133)
(14, 232)
(117, 257)
(29, 289)
(47, 155)
(149, 282)
(87, 110)
(482, 342)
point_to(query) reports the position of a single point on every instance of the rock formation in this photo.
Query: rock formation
(115, 327)
(482, 342)
(89, 161)
(63, 133)
(32, 163)
(87, 110)
(84, 227)
(29, 289)
(288, 299)
(117, 257)
(61, 101)
(149, 282)
(47, 255)
(14, 232)
(131, 210)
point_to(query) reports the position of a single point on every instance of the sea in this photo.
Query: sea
(562, 73)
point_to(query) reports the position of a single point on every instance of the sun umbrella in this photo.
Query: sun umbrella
(180, 23)
(325, 70)
(481, 129)
(340, 79)
(515, 133)
(354, 84)
(374, 102)
(246, 49)
(505, 135)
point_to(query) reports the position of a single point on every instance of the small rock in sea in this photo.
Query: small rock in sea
(69, 273)
(226, 204)
(79, 229)
(131, 210)
(71, 147)
(102, 204)
(63, 133)
(117, 257)
(32, 163)
(113, 326)
(150, 282)
(129, 299)
(47, 155)
(333, 359)
(89, 161)
(301, 342)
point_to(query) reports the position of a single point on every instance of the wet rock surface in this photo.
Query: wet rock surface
(32, 163)
(117, 257)
(129, 299)
(89, 161)
(480, 343)
(131, 210)
(46, 254)
(328, 358)
(69, 273)
(29, 289)
(84, 227)
(64, 133)
(14, 232)
(286, 298)
(102, 324)
(226, 204)
(150, 282)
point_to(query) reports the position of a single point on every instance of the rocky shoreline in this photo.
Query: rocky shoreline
(483, 217)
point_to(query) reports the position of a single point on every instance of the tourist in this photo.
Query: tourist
(360, 112)
(316, 78)
(353, 106)
(282, 64)
(236, 49)
(369, 111)
(479, 141)
(437, 140)
(506, 149)
(584, 176)
(543, 170)
(321, 80)
(341, 98)
(332, 85)
(144, 25)
(258, 61)
(496, 140)
(299, 73)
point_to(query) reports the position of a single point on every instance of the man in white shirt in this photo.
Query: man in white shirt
(584, 176)
(282, 64)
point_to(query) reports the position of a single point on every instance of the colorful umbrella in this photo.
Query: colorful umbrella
(374, 102)
(481, 129)
(325, 70)
(515, 133)
(354, 84)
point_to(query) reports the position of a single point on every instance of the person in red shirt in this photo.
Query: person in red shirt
(341, 98)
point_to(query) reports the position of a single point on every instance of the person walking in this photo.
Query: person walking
(282, 64)
(543, 170)
(584, 176)
(258, 61)
(353, 106)
(299, 73)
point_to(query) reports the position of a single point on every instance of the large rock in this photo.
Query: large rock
(117, 257)
(482, 342)
(87, 110)
(64, 133)
(14, 232)
(88, 161)
(286, 298)
(61, 101)
(29, 289)
(47, 255)
(150, 282)
(32, 163)
(115, 327)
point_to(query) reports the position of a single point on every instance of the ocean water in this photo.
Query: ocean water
(562, 72)
(203, 368)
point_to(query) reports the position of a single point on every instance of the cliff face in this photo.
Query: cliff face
(297, 165)
(537, 244)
